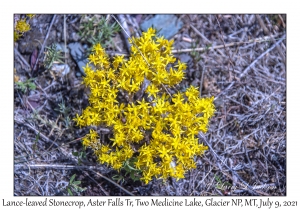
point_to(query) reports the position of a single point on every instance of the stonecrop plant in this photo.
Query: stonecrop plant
(21, 27)
(159, 130)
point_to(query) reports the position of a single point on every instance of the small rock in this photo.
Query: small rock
(34, 22)
(182, 45)
(196, 83)
(75, 37)
(61, 47)
(31, 40)
(78, 54)
(60, 69)
(85, 46)
(169, 25)
(219, 102)
(197, 74)
(184, 58)
(190, 73)
(59, 27)
(58, 35)
(52, 36)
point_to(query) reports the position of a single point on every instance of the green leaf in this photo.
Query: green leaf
(116, 177)
(82, 155)
(132, 176)
(75, 187)
(131, 168)
(75, 153)
(81, 189)
(217, 178)
(70, 192)
(76, 182)
(35, 142)
(72, 178)
(32, 86)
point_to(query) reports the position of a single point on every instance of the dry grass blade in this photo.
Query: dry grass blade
(266, 30)
(125, 30)
(44, 43)
(262, 55)
(203, 37)
(28, 69)
(111, 181)
(233, 44)
(217, 156)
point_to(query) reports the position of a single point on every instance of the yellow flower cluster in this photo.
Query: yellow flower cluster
(21, 27)
(161, 133)
(30, 15)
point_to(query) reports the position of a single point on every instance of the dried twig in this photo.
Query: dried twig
(21, 121)
(262, 55)
(111, 181)
(200, 34)
(201, 49)
(70, 167)
(250, 163)
(202, 78)
(256, 188)
(203, 37)
(64, 167)
(28, 69)
(55, 166)
(266, 30)
(232, 171)
(44, 43)
(283, 24)
(135, 25)
(224, 91)
(65, 38)
(230, 60)
(105, 192)
(125, 31)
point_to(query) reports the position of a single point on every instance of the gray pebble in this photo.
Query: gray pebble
(169, 25)
(196, 83)
(58, 35)
(61, 47)
(78, 54)
(85, 46)
(185, 58)
(75, 37)
(197, 74)
(190, 73)
(60, 69)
